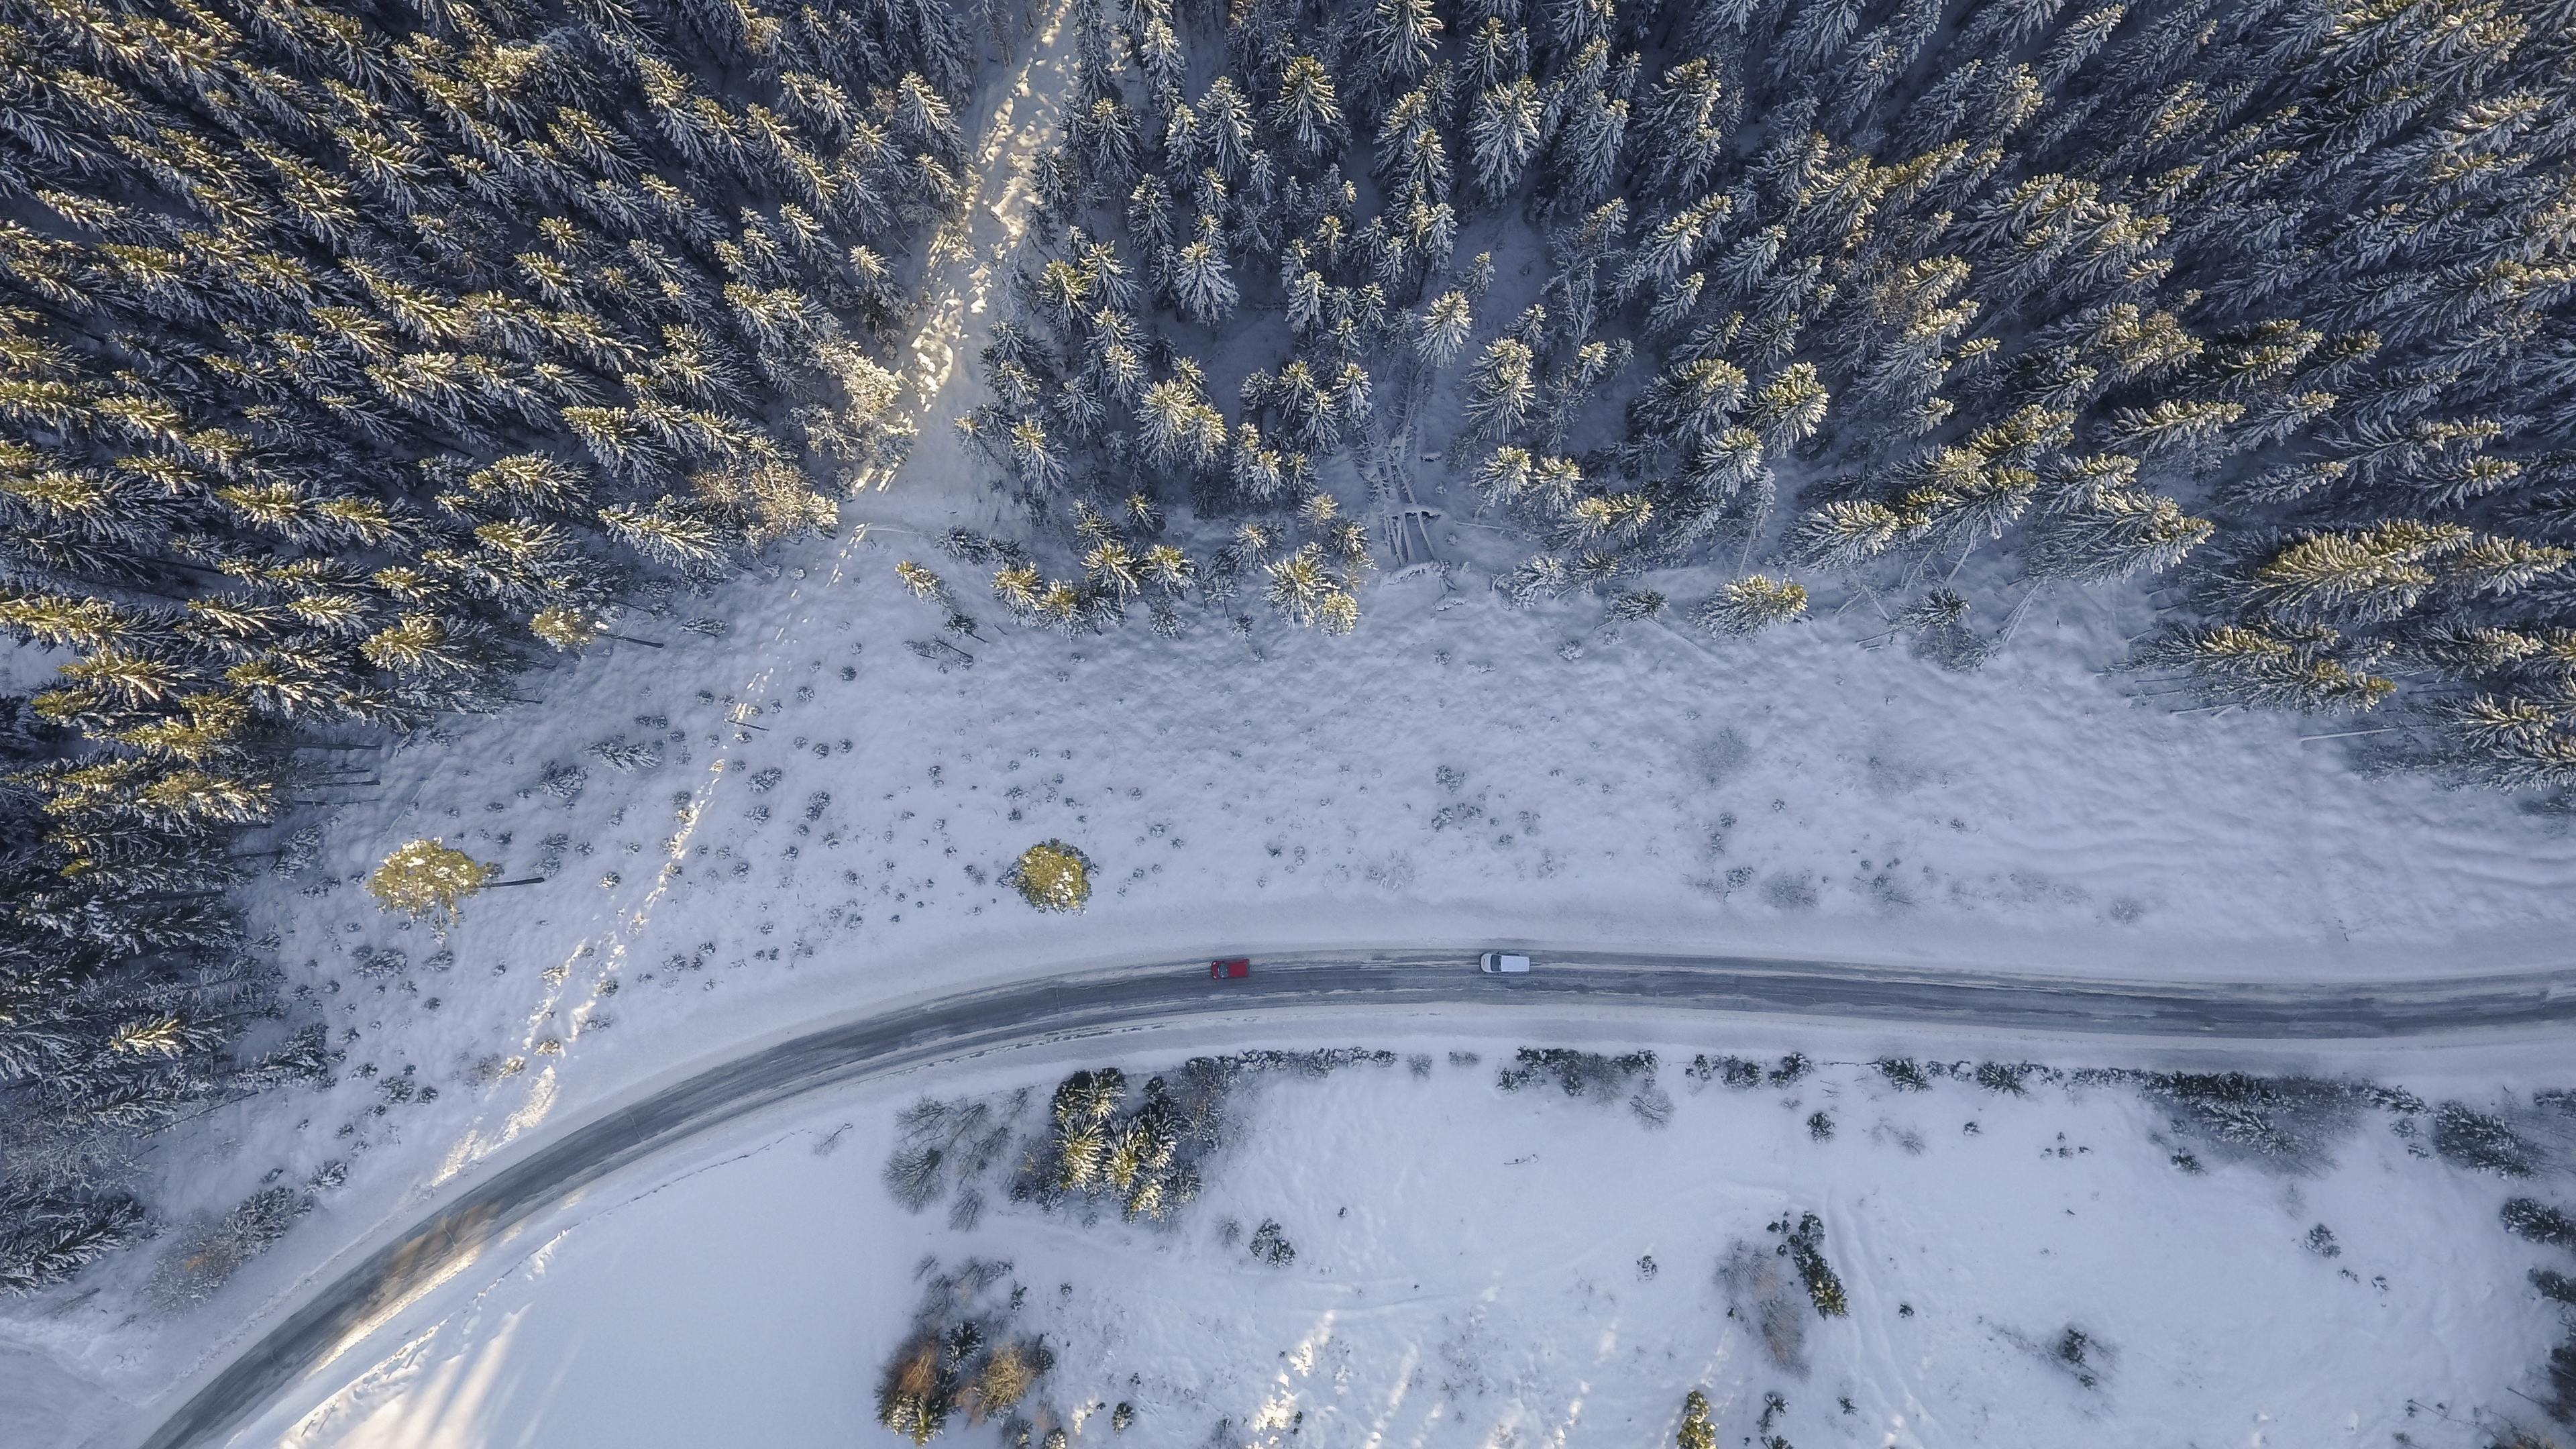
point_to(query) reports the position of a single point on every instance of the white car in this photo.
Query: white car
(1497, 963)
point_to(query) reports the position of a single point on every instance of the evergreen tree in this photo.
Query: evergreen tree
(2273, 304)
(349, 363)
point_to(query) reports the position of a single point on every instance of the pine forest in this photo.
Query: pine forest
(358, 356)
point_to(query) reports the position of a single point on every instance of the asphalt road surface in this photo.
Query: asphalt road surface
(1026, 1012)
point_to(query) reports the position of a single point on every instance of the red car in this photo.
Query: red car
(1230, 968)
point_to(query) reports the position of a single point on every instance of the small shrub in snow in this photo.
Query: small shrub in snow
(1820, 1126)
(1904, 1074)
(1579, 1073)
(1803, 1244)
(1734, 1071)
(2541, 1223)
(564, 782)
(960, 1357)
(1459, 814)
(2472, 1139)
(940, 652)
(2080, 1354)
(2321, 1241)
(624, 758)
(427, 881)
(207, 1258)
(1006, 1379)
(1651, 1105)
(1635, 604)
(912, 1176)
(1793, 1068)
(1773, 1406)
(938, 1142)
(918, 1391)
(1270, 1244)
(1121, 1417)
(1051, 876)
(299, 852)
(2284, 1120)
(2003, 1078)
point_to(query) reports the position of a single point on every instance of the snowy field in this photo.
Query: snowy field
(1472, 1266)
(1448, 776)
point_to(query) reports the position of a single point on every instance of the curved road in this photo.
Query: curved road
(1026, 1012)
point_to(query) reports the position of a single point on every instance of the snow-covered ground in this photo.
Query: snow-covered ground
(828, 815)
(1477, 1267)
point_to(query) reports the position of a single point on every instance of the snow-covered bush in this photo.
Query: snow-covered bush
(1270, 1244)
(961, 1357)
(1735, 1071)
(428, 881)
(1051, 876)
(2285, 1121)
(1803, 1244)
(1904, 1074)
(1578, 1073)
(206, 1258)
(2541, 1223)
(2470, 1138)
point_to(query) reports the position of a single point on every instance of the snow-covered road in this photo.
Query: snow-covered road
(1053, 1008)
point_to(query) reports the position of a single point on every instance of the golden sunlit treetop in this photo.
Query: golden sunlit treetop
(427, 881)
(1052, 876)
